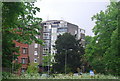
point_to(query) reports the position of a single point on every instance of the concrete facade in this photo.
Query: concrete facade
(35, 51)
(53, 28)
(50, 30)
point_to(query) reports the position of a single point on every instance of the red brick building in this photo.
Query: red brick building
(23, 57)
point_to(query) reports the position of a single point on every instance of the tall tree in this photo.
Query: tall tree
(18, 23)
(88, 39)
(112, 58)
(70, 49)
(102, 52)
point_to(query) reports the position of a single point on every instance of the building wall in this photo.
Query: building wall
(35, 50)
(57, 27)
(46, 38)
(23, 57)
(72, 29)
(81, 35)
(35, 53)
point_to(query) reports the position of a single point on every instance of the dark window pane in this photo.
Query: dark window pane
(24, 50)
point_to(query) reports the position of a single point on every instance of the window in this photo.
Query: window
(24, 50)
(56, 22)
(23, 60)
(44, 54)
(62, 25)
(36, 45)
(54, 25)
(62, 30)
(82, 36)
(23, 70)
(35, 53)
(82, 31)
(46, 36)
(35, 60)
(44, 23)
(46, 43)
(45, 50)
(46, 28)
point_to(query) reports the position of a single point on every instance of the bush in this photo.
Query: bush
(6, 75)
(32, 68)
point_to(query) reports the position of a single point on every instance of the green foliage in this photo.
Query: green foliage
(17, 66)
(8, 50)
(6, 75)
(60, 77)
(47, 59)
(68, 46)
(87, 39)
(112, 57)
(18, 23)
(19, 17)
(102, 51)
(32, 68)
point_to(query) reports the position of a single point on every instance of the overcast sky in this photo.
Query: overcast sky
(78, 12)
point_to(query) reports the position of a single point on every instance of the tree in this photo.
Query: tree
(102, 52)
(32, 68)
(18, 23)
(112, 55)
(67, 47)
(88, 39)
(47, 59)
(47, 63)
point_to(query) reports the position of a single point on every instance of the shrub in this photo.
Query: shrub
(32, 68)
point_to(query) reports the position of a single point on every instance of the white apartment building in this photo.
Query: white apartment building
(52, 28)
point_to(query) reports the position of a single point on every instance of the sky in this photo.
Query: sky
(78, 12)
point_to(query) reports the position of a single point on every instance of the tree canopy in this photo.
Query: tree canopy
(67, 47)
(102, 51)
(18, 23)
